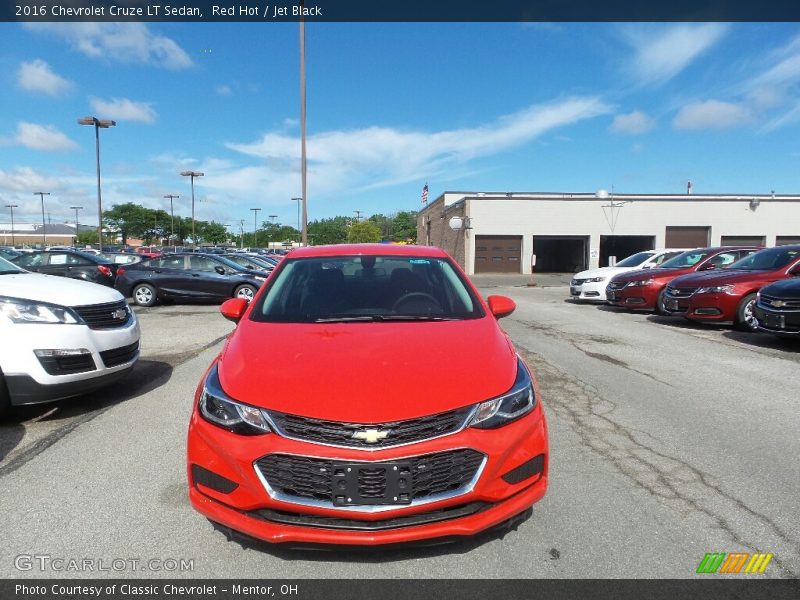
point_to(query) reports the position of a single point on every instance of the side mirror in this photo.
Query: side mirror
(233, 309)
(501, 306)
(707, 267)
(220, 270)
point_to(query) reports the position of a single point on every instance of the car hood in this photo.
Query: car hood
(607, 272)
(367, 372)
(719, 277)
(56, 290)
(786, 288)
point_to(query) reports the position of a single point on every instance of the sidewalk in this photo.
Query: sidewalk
(492, 280)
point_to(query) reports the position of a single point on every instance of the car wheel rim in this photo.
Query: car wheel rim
(749, 315)
(245, 293)
(143, 295)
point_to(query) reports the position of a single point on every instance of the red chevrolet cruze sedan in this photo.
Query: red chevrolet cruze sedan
(367, 396)
(645, 289)
(729, 295)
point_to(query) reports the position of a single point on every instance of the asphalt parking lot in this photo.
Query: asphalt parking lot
(668, 440)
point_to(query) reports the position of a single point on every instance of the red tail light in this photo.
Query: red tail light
(104, 270)
(120, 271)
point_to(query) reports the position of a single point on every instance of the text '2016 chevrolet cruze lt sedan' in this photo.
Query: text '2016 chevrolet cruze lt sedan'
(367, 396)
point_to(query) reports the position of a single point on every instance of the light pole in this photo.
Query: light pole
(269, 238)
(304, 232)
(299, 201)
(192, 174)
(44, 235)
(98, 124)
(77, 232)
(241, 239)
(12, 207)
(255, 231)
(172, 216)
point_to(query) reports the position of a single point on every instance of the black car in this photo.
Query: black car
(256, 263)
(187, 276)
(8, 253)
(777, 308)
(69, 263)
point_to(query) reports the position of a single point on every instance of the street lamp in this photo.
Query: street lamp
(98, 124)
(172, 216)
(269, 238)
(255, 231)
(44, 235)
(299, 201)
(303, 163)
(192, 174)
(12, 207)
(77, 231)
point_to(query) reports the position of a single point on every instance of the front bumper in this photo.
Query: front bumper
(781, 323)
(32, 381)
(241, 500)
(592, 292)
(634, 297)
(713, 308)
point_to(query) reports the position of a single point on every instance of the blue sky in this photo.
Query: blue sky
(462, 106)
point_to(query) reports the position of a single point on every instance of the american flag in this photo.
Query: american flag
(425, 194)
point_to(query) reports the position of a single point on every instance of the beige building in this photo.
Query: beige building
(489, 232)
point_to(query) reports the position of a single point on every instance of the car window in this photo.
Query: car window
(769, 259)
(684, 259)
(723, 260)
(30, 260)
(349, 288)
(635, 260)
(666, 256)
(168, 262)
(201, 263)
(58, 258)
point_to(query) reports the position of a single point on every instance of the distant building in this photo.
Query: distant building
(569, 232)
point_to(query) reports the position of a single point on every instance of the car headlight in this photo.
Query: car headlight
(595, 280)
(515, 403)
(641, 282)
(217, 408)
(715, 289)
(27, 311)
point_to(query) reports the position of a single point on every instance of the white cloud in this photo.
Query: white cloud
(123, 109)
(712, 114)
(661, 54)
(633, 123)
(118, 42)
(37, 76)
(224, 90)
(40, 137)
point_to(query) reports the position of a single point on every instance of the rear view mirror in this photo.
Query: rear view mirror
(501, 306)
(233, 309)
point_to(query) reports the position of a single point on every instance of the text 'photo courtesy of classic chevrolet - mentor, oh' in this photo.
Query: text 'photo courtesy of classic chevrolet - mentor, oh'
(367, 396)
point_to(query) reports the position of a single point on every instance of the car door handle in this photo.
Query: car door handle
(159, 271)
(195, 274)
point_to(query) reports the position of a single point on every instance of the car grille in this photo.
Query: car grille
(617, 285)
(577, 282)
(307, 478)
(780, 303)
(67, 365)
(680, 292)
(119, 356)
(102, 316)
(335, 433)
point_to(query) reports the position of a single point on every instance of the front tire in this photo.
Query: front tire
(144, 294)
(660, 310)
(745, 314)
(5, 398)
(245, 291)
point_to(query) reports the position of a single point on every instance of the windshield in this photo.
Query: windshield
(368, 288)
(7, 268)
(635, 260)
(228, 263)
(767, 260)
(687, 259)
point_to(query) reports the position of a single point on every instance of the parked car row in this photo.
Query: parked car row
(754, 288)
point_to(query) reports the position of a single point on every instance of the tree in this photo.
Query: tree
(384, 224)
(87, 237)
(132, 220)
(404, 226)
(328, 231)
(213, 232)
(363, 233)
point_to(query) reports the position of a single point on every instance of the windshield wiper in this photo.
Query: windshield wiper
(376, 318)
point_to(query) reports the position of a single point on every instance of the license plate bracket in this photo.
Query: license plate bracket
(370, 484)
(774, 321)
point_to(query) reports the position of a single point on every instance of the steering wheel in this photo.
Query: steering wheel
(418, 296)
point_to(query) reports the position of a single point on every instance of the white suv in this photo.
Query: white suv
(591, 284)
(60, 337)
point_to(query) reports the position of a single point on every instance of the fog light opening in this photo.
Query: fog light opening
(526, 470)
(212, 480)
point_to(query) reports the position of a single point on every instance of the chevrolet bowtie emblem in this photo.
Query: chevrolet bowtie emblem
(778, 303)
(370, 436)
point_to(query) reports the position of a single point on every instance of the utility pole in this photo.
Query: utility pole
(241, 240)
(255, 231)
(172, 215)
(269, 239)
(12, 207)
(77, 230)
(358, 215)
(44, 235)
(303, 166)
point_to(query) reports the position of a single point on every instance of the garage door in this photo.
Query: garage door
(687, 237)
(787, 240)
(498, 253)
(744, 240)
